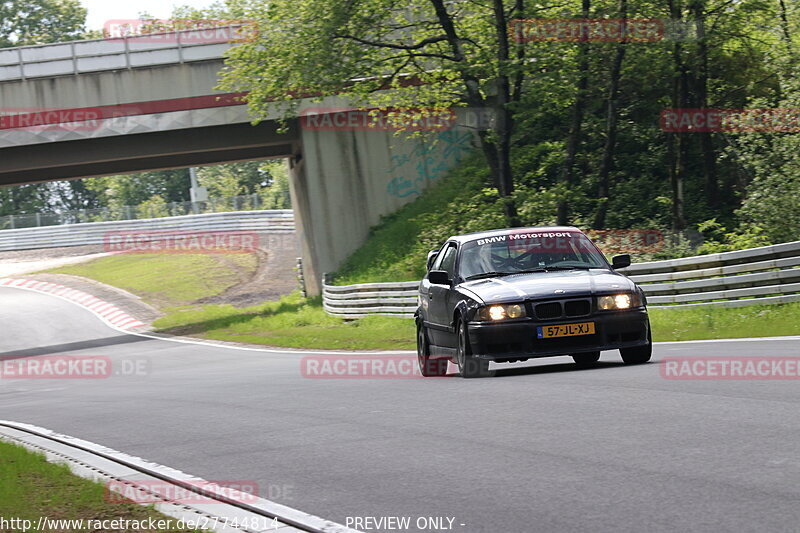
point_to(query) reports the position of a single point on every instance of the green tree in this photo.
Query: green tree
(276, 195)
(30, 22)
(26, 22)
(234, 179)
(379, 53)
(135, 189)
(153, 207)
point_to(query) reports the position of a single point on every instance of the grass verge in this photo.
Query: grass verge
(699, 323)
(31, 488)
(298, 323)
(292, 322)
(167, 279)
(295, 322)
(174, 282)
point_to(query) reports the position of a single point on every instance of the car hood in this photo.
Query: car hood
(541, 285)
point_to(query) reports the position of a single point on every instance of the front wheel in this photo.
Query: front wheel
(468, 365)
(428, 367)
(638, 354)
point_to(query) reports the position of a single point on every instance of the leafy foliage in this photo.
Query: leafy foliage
(721, 54)
(27, 22)
(397, 247)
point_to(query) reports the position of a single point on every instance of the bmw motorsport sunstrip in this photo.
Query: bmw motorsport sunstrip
(514, 294)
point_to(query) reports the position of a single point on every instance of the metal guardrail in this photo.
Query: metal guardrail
(279, 220)
(248, 202)
(76, 57)
(764, 275)
(357, 301)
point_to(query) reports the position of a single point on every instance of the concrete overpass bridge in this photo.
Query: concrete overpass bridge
(114, 106)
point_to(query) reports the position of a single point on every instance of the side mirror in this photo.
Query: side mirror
(620, 261)
(431, 257)
(439, 277)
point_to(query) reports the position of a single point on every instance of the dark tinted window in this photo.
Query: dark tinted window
(521, 250)
(448, 260)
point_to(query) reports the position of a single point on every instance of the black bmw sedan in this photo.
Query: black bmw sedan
(514, 294)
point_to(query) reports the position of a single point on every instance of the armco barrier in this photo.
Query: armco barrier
(356, 301)
(280, 220)
(765, 275)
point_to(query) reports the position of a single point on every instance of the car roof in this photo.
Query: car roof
(491, 233)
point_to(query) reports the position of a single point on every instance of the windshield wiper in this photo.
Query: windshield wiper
(554, 268)
(489, 275)
(529, 271)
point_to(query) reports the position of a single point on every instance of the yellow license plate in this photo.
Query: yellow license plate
(565, 330)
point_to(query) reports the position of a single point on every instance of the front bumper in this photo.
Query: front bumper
(513, 341)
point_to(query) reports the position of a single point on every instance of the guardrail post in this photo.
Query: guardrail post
(300, 278)
(11, 221)
(21, 64)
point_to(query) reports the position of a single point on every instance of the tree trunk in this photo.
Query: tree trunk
(573, 138)
(787, 35)
(701, 86)
(607, 162)
(497, 153)
(678, 146)
(501, 175)
(505, 122)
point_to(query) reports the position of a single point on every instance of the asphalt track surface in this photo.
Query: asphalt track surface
(543, 447)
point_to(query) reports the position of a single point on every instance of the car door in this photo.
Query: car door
(439, 311)
(425, 287)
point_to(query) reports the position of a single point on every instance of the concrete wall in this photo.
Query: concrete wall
(112, 87)
(347, 180)
(342, 182)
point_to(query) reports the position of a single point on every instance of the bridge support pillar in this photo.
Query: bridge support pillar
(343, 182)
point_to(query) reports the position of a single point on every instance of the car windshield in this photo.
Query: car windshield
(517, 252)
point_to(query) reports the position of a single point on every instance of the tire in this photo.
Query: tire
(468, 366)
(428, 367)
(639, 354)
(586, 359)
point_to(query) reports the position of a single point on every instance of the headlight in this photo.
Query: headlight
(501, 312)
(618, 301)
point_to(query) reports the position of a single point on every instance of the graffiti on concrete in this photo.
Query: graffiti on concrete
(430, 162)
